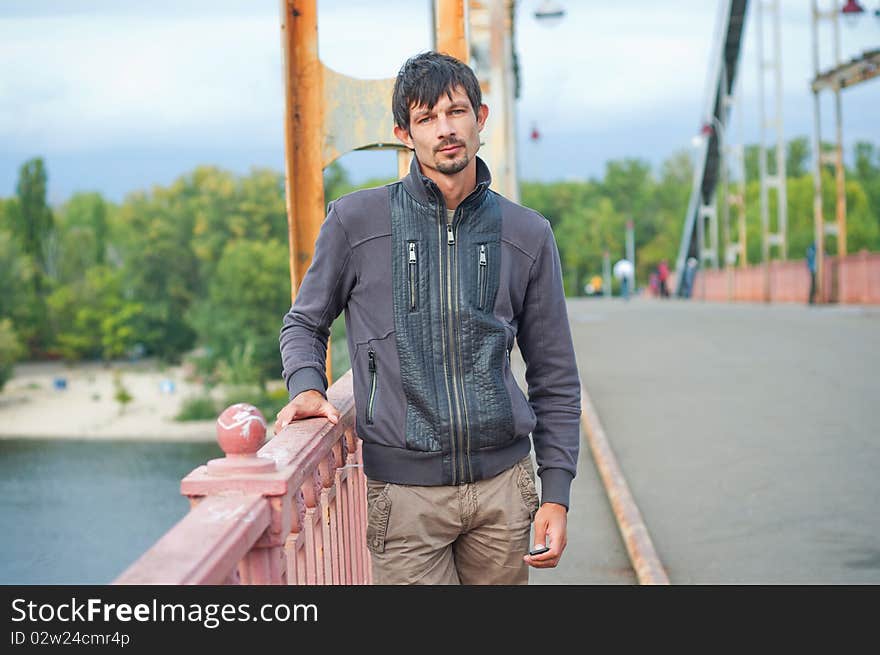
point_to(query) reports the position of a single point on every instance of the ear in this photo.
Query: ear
(482, 115)
(404, 137)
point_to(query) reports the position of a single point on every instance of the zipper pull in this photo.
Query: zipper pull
(372, 355)
(412, 253)
(483, 261)
(450, 237)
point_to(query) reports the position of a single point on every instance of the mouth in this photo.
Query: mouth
(449, 149)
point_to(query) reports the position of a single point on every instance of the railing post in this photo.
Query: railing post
(288, 511)
(241, 431)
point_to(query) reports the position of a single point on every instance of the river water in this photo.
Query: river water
(80, 512)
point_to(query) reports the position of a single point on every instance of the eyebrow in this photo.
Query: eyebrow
(458, 104)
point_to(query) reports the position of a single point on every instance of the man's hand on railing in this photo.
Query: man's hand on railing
(307, 404)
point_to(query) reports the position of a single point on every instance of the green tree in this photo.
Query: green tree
(32, 217)
(10, 351)
(91, 317)
(582, 236)
(246, 298)
(14, 277)
(867, 174)
(797, 157)
(83, 222)
(160, 269)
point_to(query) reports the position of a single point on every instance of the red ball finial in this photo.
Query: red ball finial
(241, 429)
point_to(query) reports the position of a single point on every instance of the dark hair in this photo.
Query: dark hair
(424, 77)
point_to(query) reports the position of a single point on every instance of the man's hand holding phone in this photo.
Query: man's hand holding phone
(550, 527)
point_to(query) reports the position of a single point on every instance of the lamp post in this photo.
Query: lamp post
(631, 250)
(851, 12)
(715, 127)
(549, 13)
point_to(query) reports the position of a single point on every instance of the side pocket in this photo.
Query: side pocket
(525, 480)
(378, 513)
(371, 355)
(413, 274)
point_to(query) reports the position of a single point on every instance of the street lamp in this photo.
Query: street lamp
(550, 13)
(707, 130)
(851, 11)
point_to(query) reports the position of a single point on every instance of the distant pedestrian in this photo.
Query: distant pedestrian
(663, 275)
(623, 271)
(811, 267)
(690, 272)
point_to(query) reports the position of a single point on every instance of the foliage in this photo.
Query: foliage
(589, 218)
(10, 351)
(121, 394)
(198, 408)
(92, 318)
(245, 301)
(268, 402)
(201, 265)
(32, 217)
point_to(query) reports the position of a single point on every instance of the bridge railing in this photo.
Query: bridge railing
(290, 512)
(854, 279)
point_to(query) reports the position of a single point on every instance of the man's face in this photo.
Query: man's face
(447, 136)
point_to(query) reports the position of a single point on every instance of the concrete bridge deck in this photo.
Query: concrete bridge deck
(749, 436)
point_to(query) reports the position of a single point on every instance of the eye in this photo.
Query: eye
(423, 120)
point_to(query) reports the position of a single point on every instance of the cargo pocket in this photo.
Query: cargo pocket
(525, 480)
(378, 513)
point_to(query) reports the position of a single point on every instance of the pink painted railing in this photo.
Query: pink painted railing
(854, 279)
(290, 512)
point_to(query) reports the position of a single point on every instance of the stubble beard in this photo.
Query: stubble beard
(454, 166)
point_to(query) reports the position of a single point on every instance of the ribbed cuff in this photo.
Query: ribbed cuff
(555, 486)
(304, 379)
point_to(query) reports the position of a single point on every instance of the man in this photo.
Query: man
(623, 271)
(690, 273)
(437, 275)
(663, 276)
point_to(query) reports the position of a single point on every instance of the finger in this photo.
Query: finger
(535, 560)
(285, 416)
(541, 533)
(331, 413)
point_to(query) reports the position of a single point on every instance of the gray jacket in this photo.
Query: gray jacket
(431, 313)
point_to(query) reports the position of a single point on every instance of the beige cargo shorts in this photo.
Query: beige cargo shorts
(474, 533)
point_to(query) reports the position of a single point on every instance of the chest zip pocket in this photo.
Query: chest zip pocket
(371, 354)
(482, 276)
(413, 268)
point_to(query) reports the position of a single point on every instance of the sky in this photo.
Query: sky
(119, 96)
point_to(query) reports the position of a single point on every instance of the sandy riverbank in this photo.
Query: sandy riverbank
(30, 406)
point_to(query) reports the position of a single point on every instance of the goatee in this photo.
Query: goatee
(454, 166)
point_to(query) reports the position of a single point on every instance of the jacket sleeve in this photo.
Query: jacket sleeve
(544, 339)
(322, 295)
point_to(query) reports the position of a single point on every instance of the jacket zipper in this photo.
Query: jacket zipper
(413, 270)
(452, 442)
(451, 295)
(371, 354)
(482, 277)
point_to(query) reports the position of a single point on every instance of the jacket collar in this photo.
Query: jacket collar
(423, 189)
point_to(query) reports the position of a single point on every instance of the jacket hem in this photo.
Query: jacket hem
(429, 469)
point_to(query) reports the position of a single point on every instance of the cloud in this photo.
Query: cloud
(83, 77)
(126, 81)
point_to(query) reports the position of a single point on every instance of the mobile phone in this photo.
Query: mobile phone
(538, 551)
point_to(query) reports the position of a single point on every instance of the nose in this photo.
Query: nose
(445, 128)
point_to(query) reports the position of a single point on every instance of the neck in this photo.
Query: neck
(455, 187)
